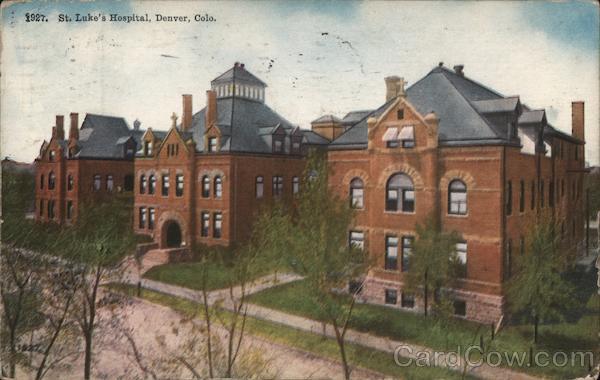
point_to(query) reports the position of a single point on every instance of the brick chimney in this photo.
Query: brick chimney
(60, 127)
(459, 70)
(74, 129)
(186, 119)
(210, 113)
(578, 120)
(394, 87)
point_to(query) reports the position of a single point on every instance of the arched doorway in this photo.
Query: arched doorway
(173, 235)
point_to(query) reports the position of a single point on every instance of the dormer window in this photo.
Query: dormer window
(277, 146)
(296, 147)
(51, 155)
(400, 114)
(212, 144)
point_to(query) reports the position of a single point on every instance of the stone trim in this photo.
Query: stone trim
(401, 168)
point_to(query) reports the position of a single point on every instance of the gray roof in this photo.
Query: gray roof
(326, 119)
(465, 108)
(241, 74)
(313, 138)
(497, 105)
(354, 117)
(104, 136)
(532, 117)
(244, 132)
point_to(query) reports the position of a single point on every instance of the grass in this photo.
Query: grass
(219, 274)
(578, 334)
(357, 355)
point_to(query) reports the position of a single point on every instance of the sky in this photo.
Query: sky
(317, 57)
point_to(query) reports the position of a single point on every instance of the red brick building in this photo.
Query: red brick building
(483, 162)
(95, 160)
(204, 180)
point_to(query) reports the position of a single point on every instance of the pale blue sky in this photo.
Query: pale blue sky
(545, 52)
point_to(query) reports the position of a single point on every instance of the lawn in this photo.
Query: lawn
(357, 355)
(219, 274)
(578, 334)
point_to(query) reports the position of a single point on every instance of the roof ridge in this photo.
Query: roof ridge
(448, 71)
(364, 117)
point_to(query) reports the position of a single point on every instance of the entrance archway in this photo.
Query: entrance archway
(173, 235)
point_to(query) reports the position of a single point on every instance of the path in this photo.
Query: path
(484, 371)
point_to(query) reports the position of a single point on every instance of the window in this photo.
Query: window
(460, 308)
(165, 185)
(179, 185)
(205, 224)
(295, 147)
(295, 185)
(51, 181)
(357, 193)
(42, 182)
(407, 300)
(457, 198)
(217, 224)
(391, 252)
(205, 186)
(69, 182)
(51, 155)
(391, 296)
(551, 193)
(51, 210)
(408, 143)
(277, 146)
(97, 182)
(461, 255)
(400, 194)
(109, 183)
(69, 209)
(151, 184)
(357, 240)
(277, 186)
(522, 244)
(400, 114)
(41, 207)
(143, 184)
(508, 260)
(562, 187)
(218, 187)
(142, 217)
(522, 196)
(260, 186)
(151, 217)
(147, 148)
(532, 194)
(407, 243)
(212, 144)
(542, 193)
(509, 198)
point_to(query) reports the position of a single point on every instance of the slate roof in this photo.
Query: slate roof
(103, 136)
(465, 108)
(354, 117)
(244, 132)
(531, 117)
(326, 119)
(241, 74)
(313, 138)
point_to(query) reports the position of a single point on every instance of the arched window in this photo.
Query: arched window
(457, 197)
(357, 193)
(218, 187)
(70, 182)
(51, 181)
(151, 184)
(400, 193)
(143, 184)
(205, 187)
(110, 183)
(260, 186)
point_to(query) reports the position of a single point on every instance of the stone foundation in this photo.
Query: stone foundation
(480, 307)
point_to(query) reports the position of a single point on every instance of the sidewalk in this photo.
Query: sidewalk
(484, 371)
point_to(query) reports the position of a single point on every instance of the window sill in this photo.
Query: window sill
(460, 216)
(399, 212)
